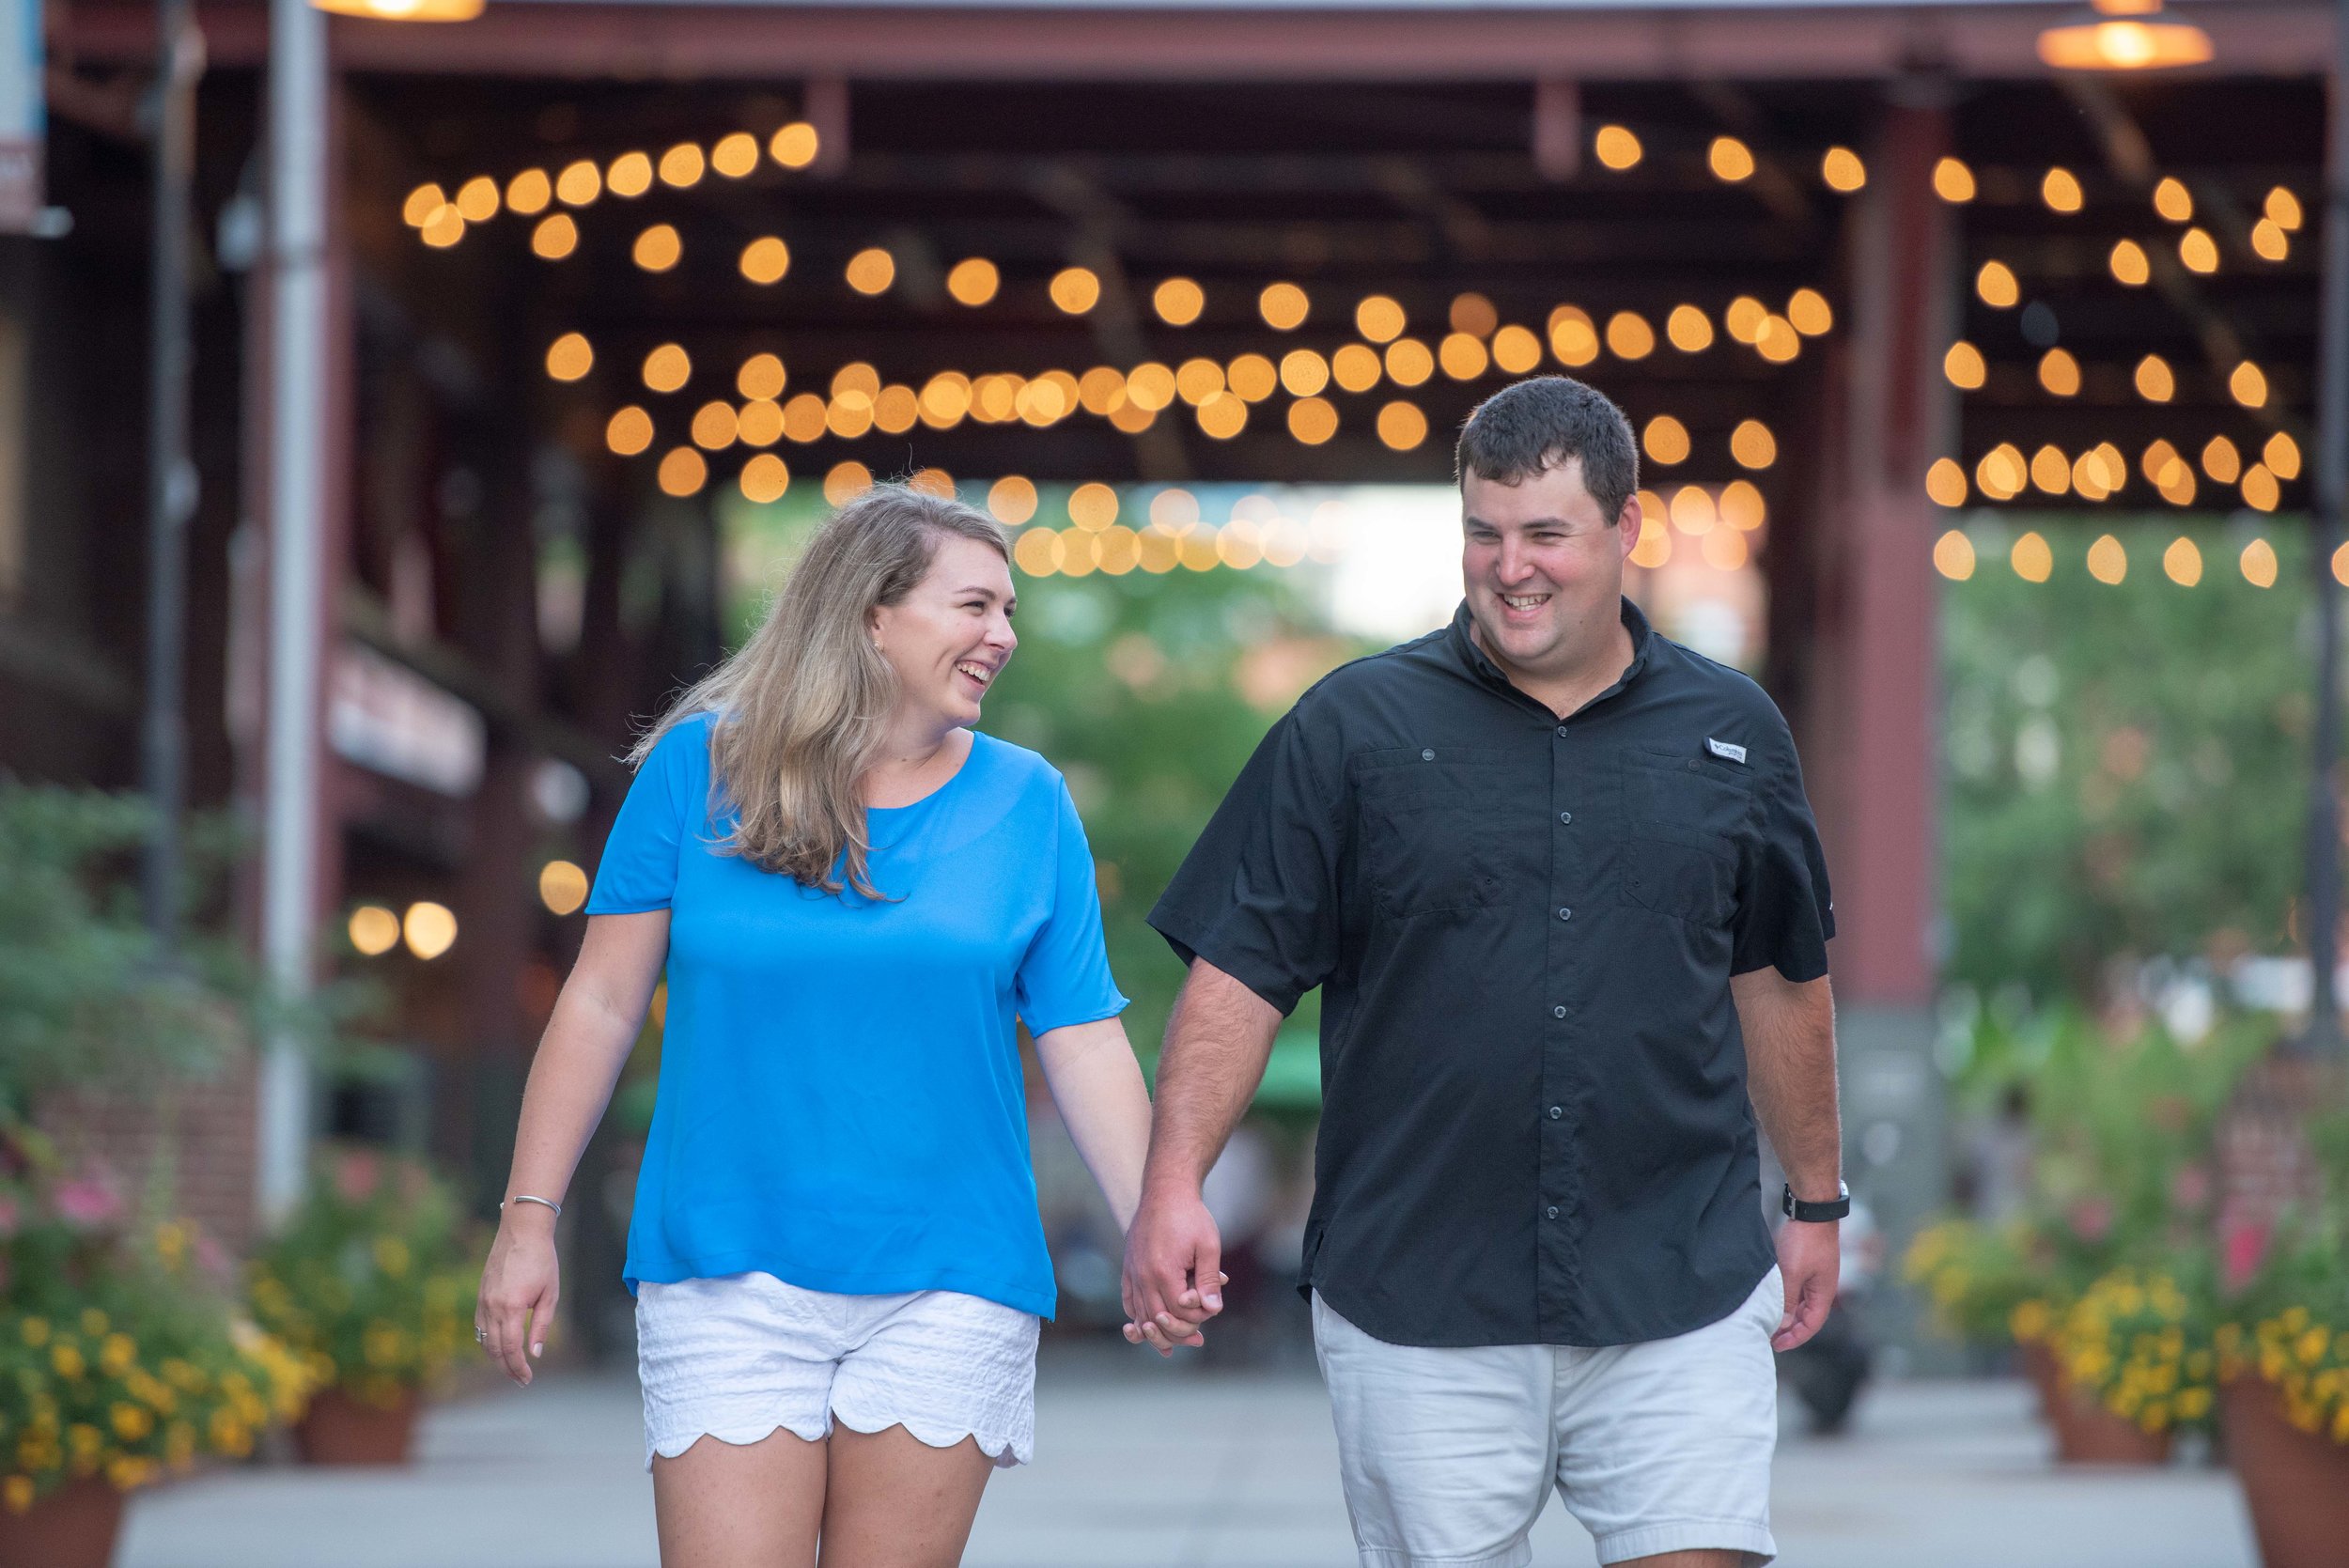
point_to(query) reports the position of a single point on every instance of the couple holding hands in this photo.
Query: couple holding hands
(1558, 880)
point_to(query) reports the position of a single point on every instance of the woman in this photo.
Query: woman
(837, 1260)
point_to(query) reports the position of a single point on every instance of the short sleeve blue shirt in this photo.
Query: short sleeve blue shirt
(841, 1103)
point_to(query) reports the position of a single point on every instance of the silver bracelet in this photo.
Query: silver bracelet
(526, 1198)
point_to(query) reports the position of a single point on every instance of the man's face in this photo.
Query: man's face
(1542, 565)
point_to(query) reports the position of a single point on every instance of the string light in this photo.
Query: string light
(1617, 148)
(682, 471)
(658, 248)
(1689, 330)
(759, 423)
(2282, 456)
(1304, 372)
(1012, 500)
(1312, 420)
(1842, 170)
(429, 929)
(761, 376)
(2032, 561)
(1355, 367)
(569, 357)
(1630, 336)
(561, 887)
(1953, 555)
(1997, 287)
(1945, 483)
(1408, 362)
(1472, 314)
(735, 156)
(554, 238)
(2221, 462)
(846, 482)
(2248, 385)
(2061, 191)
(477, 199)
(1463, 356)
(2060, 373)
(1779, 341)
(2154, 382)
(1665, 440)
(795, 146)
(1401, 426)
(714, 426)
(1517, 350)
(2257, 564)
(579, 183)
(1655, 545)
(1573, 338)
(528, 192)
(2282, 209)
(628, 431)
(804, 418)
(1178, 301)
(2052, 471)
(973, 281)
(681, 167)
(374, 930)
(2259, 490)
(2002, 473)
(1075, 290)
(766, 260)
(2107, 561)
(2181, 563)
(1691, 509)
(2130, 265)
(1223, 416)
(1742, 507)
(1198, 379)
(1952, 182)
(1743, 319)
(667, 368)
(871, 271)
(765, 479)
(422, 203)
(2199, 251)
(2269, 241)
(1753, 446)
(2172, 200)
(445, 228)
(1379, 319)
(1808, 313)
(1284, 306)
(1729, 159)
(1251, 378)
(630, 176)
(1093, 506)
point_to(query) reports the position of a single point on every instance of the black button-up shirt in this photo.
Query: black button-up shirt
(1534, 1124)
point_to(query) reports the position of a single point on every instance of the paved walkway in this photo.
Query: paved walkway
(1140, 1465)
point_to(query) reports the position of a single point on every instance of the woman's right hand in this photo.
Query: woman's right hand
(520, 1286)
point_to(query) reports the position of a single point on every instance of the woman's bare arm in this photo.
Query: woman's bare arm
(1098, 1085)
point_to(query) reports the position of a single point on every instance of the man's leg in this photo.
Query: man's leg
(1664, 1448)
(1445, 1453)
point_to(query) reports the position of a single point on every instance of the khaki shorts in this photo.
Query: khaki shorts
(1449, 1454)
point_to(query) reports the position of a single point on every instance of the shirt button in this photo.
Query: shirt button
(1556, 1111)
(1565, 914)
(1558, 1012)
(1553, 1211)
(1428, 756)
(1561, 732)
(1566, 816)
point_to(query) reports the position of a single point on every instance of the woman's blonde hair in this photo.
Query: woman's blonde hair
(802, 705)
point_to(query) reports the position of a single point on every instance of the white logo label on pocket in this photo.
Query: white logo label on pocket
(1723, 749)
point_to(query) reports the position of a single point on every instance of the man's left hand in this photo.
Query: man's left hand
(1808, 1254)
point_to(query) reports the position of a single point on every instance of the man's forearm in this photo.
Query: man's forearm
(1790, 1069)
(1217, 1045)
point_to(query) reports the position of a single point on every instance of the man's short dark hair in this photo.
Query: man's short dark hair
(1542, 422)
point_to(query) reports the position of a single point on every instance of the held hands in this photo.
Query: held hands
(520, 1286)
(1174, 1279)
(1809, 1255)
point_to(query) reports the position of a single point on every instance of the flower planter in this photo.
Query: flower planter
(73, 1527)
(2085, 1431)
(2295, 1482)
(340, 1430)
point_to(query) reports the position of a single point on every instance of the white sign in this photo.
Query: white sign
(20, 120)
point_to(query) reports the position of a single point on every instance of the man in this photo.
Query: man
(1558, 880)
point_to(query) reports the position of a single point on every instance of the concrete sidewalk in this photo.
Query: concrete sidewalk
(1140, 1465)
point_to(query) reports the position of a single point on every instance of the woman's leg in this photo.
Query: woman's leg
(894, 1501)
(742, 1505)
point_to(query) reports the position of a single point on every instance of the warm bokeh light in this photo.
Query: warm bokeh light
(1997, 287)
(683, 471)
(1952, 182)
(569, 357)
(795, 146)
(1665, 440)
(667, 368)
(766, 260)
(2269, 241)
(1964, 367)
(1093, 506)
(1101, 390)
(658, 248)
(759, 423)
(2181, 563)
(736, 155)
(1729, 159)
(804, 418)
(1753, 445)
(1304, 372)
(1842, 170)
(1743, 319)
(714, 426)
(1654, 546)
(1401, 426)
(422, 202)
(2051, 470)
(445, 228)
(1408, 362)
(628, 431)
(1808, 313)
(1778, 342)
(2221, 462)
(1198, 379)
(1223, 416)
(1689, 329)
(1517, 350)
(1573, 338)
(1251, 378)
(764, 479)
(2032, 561)
(477, 199)
(1012, 499)
(2259, 490)
(528, 192)
(2248, 385)
(579, 183)
(1379, 319)
(1953, 555)
(2061, 190)
(1474, 313)
(1742, 507)
(2198, 250)
(2060, 373)
(555, 237)
(2108, 560)
(1312, 420)
(1630, 336)
(2282, 455)
(374, 929)
(2172, 201)
(430, 928)
(683, 165)
(1463, 356)
(2002, 473)
(1617, 147)
(561, 887)
(2257, 564)
(1691, 509)
(846, 482)
(630, 175)
(1076, 289)
(1284, 306)
(1178, 301)
(1150, 386)
(761, 376)
(973, 281)
(1355, 367)
(1725, 550)
(2124, 44)
(871, 271)
(2130, 265)
(2156, 383)
(1945, 483)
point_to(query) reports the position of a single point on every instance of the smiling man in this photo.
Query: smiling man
(1558, 880)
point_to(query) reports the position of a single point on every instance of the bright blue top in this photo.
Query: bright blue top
(841, 1103)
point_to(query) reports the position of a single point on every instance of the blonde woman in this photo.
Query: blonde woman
(837, 1260)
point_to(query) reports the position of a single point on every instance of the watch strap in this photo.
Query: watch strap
(1834, 1208)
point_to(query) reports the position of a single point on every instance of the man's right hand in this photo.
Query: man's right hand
(1174, 1270)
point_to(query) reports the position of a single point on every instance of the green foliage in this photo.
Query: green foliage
(2128, 764)
(372, 1283)
(83, 999)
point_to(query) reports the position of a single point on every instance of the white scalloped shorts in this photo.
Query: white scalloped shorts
(738, 1357)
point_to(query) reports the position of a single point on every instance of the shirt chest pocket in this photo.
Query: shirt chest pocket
(1684, 819)
(1426, 819)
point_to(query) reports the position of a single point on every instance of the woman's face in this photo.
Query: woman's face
(951, 636)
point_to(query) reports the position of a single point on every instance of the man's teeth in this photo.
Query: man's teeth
(1524, 601)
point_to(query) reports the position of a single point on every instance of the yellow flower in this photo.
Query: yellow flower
(391, 1255)
(2193, 1404)
(127, 1471)
(17, 1491)
(171, 1242)
(383, 1344)
(2312, 1345)
(185, 1374)
(2030, 1321)
(132, 1421)
(36, 1331)
(66, 1358)
(85, 1443)
(179, 1445)
(230, 1436)
(94, 1322)
(117, 1354)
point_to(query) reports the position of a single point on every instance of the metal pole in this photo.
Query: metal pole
(2332, 477)
(171, 477)
(297, 335)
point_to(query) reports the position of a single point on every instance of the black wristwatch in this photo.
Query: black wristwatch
(1835, 1208)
